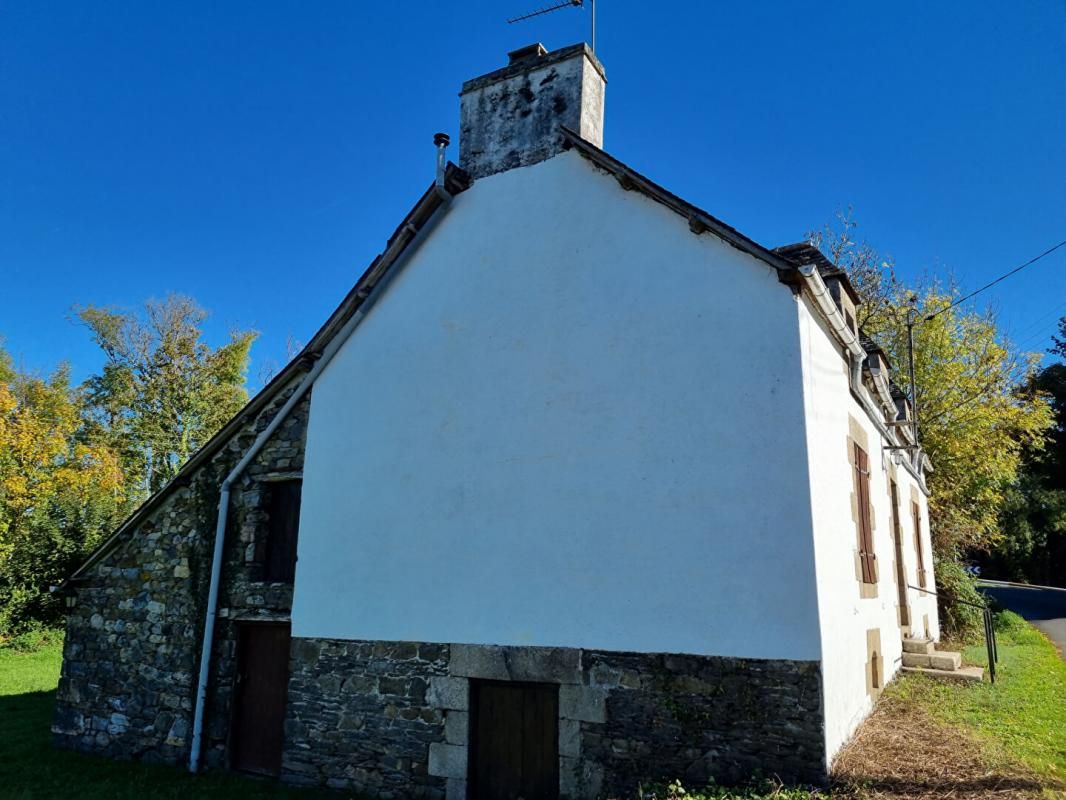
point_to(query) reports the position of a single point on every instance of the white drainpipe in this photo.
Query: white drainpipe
(395, 257)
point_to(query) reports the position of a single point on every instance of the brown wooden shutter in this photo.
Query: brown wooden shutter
(867, 559)
(916, 512)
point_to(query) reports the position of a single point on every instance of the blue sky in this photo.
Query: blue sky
(255, 155)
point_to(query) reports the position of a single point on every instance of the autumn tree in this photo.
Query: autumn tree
(60, 491)
(163, 392)
(975, 418)
(1034, 517)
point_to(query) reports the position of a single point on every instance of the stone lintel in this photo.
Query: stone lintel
(498, 663)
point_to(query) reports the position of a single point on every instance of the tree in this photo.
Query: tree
(1034, 519)
(977, 420)
(974, 419)
(872, 275)
(163, 392)
(60, 491)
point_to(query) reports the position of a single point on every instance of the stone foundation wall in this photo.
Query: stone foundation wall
(361, 716)
(392, 719)
(131, 657)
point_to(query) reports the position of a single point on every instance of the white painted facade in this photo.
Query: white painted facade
(570, 421)
(844, 615)
(561, 426)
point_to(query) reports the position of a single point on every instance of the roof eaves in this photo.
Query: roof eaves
(804, 253)
(456, 181)
(699, 220)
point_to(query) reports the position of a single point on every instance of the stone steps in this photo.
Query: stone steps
(921, 657)
(974, 674)
(936, 660)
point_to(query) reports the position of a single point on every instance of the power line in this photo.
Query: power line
(1019, 268)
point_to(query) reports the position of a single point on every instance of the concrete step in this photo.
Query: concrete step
(935, 660)
(974, 674)
(923, 646)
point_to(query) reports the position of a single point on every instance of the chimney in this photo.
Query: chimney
(511, 117)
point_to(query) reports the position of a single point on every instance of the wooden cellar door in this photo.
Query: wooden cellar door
(514, 746)
(260, 697)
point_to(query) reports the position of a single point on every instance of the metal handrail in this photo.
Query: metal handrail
(991, 646)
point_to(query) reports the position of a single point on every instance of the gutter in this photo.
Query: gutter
(399, 251)
(814, 284)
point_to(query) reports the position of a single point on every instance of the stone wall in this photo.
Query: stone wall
(392, 719)
(131, 657)
(361, 716)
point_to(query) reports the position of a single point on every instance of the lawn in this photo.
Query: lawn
(31, 769)
(1023, 715)
(926, 739)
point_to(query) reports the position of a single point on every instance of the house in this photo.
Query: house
(578, 487)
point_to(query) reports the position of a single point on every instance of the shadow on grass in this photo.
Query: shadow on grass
(32, 769)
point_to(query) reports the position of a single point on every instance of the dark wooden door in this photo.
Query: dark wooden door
(514, 741)
(261, 691)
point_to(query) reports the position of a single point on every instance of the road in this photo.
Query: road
(1044, 607)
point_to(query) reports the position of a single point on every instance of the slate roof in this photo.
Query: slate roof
(785, 260)
(456, 181)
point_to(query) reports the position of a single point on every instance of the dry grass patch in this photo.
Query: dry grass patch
(902, 752)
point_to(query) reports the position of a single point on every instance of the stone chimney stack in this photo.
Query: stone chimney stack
(511, 117)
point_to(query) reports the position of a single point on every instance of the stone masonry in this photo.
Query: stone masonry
(391, 719)
(133, 634)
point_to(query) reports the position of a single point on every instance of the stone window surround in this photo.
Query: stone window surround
(875, 663)
(921, 572)
(577, 703)
(253, 556)
(899, 568)
(857, 436)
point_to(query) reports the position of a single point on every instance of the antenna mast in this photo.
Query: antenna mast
(564, 4)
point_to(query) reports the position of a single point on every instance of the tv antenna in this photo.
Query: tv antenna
(558, 6)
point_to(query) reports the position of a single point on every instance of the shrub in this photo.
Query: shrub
(32, 638)
(956, 589)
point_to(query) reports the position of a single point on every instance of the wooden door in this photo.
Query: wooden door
(514, 741)
(260, 697)
(901, 574)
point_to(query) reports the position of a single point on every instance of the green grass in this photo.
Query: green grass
(31, 769)
(1022, 717)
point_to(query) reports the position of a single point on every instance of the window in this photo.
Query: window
(916, 512)
(283, 513)
(867, 559)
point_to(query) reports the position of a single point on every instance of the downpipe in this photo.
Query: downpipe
(394, 260)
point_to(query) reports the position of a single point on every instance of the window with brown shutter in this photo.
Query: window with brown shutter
(867, 559)
(283, 513)
(916, 512)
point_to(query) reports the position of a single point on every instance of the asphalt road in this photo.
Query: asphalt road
(1045, 608)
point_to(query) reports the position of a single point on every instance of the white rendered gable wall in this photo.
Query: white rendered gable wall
(569, 421)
